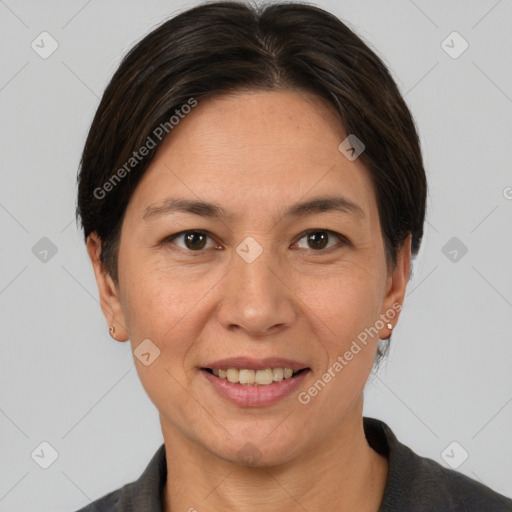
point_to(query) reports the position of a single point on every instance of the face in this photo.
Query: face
(282, 265)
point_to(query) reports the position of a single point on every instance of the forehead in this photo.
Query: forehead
(260, 149)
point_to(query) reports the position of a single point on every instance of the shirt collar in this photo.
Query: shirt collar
(147, 492)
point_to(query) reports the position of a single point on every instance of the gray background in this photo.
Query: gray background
(64, 381)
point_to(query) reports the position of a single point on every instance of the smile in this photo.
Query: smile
(254, 377)
(253, 388)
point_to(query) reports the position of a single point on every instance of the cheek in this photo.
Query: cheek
(170, 307)
(164, 308)
(341, 310)
(164, 314)
(158, 295)
(345, 301)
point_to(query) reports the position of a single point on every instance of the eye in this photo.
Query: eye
(193, 240)
(319, 239)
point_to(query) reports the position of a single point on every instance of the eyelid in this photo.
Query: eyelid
(343, 239)
(170, 238)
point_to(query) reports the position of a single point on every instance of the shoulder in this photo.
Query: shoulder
(142, 494)
(434, 485)
(420, 484)
(115, 501)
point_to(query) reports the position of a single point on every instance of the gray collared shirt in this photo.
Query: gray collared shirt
(415, 484)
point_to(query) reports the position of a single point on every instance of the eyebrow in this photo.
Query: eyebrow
(207, 209)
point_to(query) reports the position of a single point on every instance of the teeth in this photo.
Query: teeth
(246, 376)
(252, 377)
(263, 377)
(232, 375)
(278, 374)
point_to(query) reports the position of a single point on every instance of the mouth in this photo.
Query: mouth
(250, 377)
(262, 385)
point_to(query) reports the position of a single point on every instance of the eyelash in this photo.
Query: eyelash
(343, 240)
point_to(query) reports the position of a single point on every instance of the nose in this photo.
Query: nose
(256, 297)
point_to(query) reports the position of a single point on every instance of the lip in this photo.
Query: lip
(248, 363)
(253, 395)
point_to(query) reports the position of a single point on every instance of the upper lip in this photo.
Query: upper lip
(255, 364)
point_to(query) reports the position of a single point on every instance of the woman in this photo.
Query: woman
(251, 192)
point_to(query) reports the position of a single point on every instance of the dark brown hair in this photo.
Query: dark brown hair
(222, 47)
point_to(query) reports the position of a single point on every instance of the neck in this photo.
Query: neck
(341, 472)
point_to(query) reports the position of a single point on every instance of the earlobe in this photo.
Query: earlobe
(112, 330)
(108, 291)
(395, 292)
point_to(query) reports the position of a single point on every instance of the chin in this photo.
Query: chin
(256, 450)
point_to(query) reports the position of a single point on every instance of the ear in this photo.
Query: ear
(395, 288)
(108, 292)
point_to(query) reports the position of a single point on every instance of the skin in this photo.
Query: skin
(255, 154)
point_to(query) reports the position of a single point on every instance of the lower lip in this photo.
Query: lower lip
(254, 395)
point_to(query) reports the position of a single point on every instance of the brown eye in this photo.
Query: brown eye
(194, 240)
(191, 240)
(317, 239)
(320, 239)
